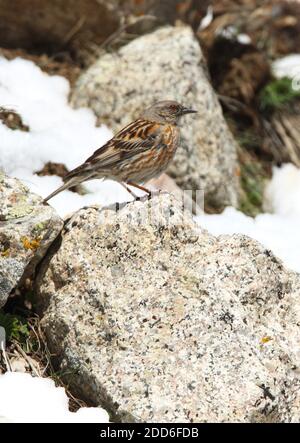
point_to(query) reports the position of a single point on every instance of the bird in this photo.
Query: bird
(139, 152)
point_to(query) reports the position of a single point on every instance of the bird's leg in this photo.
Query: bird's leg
(135, 185)
(129, 190)
(150, 193)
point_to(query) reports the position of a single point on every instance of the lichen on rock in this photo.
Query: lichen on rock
(27, 229)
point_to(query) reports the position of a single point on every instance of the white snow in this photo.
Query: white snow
(287, 66)
(58, 133)
(207, 19)
(244, 39)
(231, 33)
(277, 230)
(27, 399)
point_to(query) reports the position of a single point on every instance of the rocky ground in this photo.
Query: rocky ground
(151, 317)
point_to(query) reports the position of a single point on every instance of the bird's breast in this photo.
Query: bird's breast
(163, 154)
(170, 141)
(153, 161)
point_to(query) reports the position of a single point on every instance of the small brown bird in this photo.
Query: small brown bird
(139, 152)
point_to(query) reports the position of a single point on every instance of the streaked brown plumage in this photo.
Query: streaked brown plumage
(139, 152)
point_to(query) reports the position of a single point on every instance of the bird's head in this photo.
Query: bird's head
(167, 111)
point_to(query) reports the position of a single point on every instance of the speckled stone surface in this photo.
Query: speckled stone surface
(27, 229)
(168, 64)
(160, 321)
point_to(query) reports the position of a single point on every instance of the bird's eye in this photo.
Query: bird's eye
(173, 108)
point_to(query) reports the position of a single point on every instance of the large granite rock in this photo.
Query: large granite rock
(168, 64)
(157, 320)
(27, 229)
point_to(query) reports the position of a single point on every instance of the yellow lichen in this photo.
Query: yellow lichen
(265, 339)
(5, 253)
(31, 244)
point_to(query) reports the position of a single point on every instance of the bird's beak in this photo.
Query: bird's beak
(188, 111)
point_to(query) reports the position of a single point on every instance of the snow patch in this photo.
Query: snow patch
(279, 230)
(27, 399)
(288, 66)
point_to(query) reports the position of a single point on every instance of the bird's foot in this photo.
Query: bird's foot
(151, 194)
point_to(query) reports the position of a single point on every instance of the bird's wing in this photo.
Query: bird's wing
(135, 138)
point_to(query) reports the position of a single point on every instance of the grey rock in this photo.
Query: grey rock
(158, 321)
(168, 64)
(27, 229)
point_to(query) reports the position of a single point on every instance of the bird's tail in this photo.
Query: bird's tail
(66, 185)
(71, 179)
